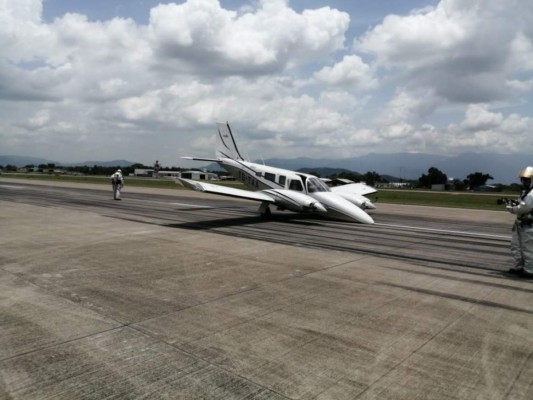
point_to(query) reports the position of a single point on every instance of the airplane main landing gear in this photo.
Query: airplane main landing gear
(264, 210)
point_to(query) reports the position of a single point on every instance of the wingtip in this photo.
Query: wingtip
(190, 184)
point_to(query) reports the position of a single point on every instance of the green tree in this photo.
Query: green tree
(371, 177)
(139, 166)
(477, 179)
(433, 177)
(353, 176)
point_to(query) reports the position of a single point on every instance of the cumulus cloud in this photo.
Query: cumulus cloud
(464, 51)
(479, 118)
(482, 128)
(285, 79)
(408, 105)
(351, 72)
(24, 10)
(164, 72)
(200, 34)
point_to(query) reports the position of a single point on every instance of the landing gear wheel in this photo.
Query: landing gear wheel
(264, 210)
(267, 214)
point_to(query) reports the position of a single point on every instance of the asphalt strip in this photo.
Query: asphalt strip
(444, 231)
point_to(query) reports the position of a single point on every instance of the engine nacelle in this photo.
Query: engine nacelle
(296, 201)
(360, 201)
(340, 208)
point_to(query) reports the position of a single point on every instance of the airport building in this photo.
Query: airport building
(196, 175)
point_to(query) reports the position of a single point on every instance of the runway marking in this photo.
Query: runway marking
(142, 232)
(475, 234)
(190, 205)
(12, 187)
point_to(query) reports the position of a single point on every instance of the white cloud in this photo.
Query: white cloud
(200, 34)
(22, 36)
(408, 105)
(490, 131)
(479, 118)
(283, 78)
(351, 72)
(40, 119)
(135, 108)
(522, 52)
(396, 131)
(415, 40)
(23, 10)
(459, 49)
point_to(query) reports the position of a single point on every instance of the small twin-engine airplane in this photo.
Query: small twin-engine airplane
(288, 190)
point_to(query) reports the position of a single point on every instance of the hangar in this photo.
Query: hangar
(195, 175)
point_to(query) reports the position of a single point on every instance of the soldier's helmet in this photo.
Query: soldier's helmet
(527, 172)
(526, 176)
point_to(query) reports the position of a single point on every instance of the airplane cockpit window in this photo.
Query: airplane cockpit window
(296, 185)
(316, 185)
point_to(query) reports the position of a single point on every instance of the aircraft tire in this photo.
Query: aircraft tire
(266, 214)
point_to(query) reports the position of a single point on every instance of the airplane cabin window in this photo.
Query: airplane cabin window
(282, 180)
(296, 185)
(270, 177)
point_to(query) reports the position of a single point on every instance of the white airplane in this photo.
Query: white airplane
(288, 190)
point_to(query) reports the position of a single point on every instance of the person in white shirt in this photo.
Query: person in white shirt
(117, 182)
(522, 238)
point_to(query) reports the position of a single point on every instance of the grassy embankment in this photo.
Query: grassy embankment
(480, 201)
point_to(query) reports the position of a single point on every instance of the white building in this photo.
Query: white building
(196, 175)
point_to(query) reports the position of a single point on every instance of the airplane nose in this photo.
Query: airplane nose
(365, 218)
(340, 208)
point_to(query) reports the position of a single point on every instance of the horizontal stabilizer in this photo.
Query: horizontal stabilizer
(201, 159)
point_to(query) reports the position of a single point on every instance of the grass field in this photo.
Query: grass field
(480, 201)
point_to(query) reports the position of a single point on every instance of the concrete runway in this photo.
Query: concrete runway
(176, 294)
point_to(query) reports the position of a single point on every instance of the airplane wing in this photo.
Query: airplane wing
(354, 188)
(201, 159)
(226, 191)
(286, 199)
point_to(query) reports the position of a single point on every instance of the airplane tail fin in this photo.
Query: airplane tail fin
(226, 146)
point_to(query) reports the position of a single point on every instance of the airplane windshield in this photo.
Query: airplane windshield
(316, 185)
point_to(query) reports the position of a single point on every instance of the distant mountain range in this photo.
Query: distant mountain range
(503, 167)
(21, 161)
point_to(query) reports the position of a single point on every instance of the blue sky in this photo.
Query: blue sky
(145, 80)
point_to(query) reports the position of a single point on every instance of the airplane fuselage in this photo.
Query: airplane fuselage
(283, 188)
(292, 189)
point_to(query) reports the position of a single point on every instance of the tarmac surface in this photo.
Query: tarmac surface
(181, 295)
